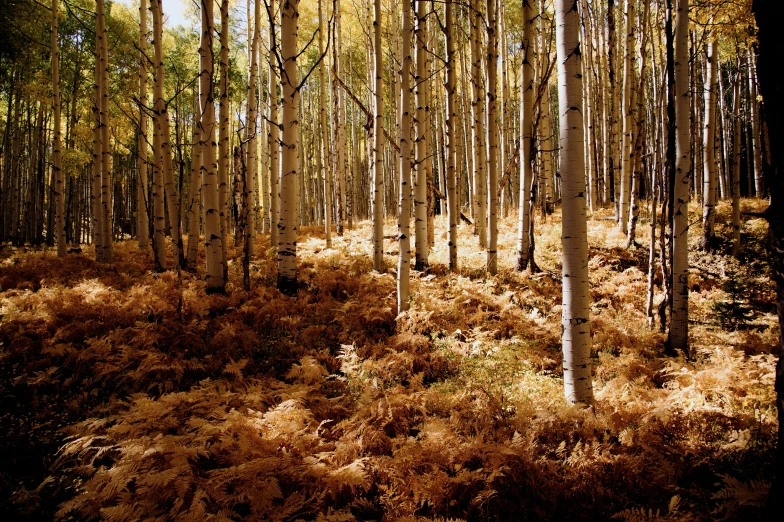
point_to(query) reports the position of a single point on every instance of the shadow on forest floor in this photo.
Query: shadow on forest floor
(327, 406)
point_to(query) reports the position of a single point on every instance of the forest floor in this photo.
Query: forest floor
(327, 406)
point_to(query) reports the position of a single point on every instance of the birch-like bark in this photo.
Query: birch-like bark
(287, 225)
(251, 170)
(325, 156)
(159, 220)
(492, 132)
(575, 323)
(478, 127)
(57, 174)
(759, 179)
(423, 169)
(451, 134)
(273, 139)
(142, 217)
(194, 192)
(736, 162)
(378, 141)
(404, 211)
(709, 178)
(526, 136)
(213, 243)
(223, 135)
(627, 104)
(679, 323)
(106, 195)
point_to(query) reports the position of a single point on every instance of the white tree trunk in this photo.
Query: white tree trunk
(575, 325)
(377, 160)
(106, 192)
(478, 127)
(194, 192)
(159, 220)
(492, 132)
(142, 218)
(709, 146)
(213, 243)
(679, 327)
(526, 137)
(223, 136)
(404, 211)
(325, 156)
(627, 152)
(59, 199)
(287, 225)
(736, 162)
(451, 134)
(423, 169)
(273, 139)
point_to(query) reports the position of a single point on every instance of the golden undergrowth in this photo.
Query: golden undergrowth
(327, 406)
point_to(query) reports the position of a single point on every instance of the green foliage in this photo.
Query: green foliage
(734, 311)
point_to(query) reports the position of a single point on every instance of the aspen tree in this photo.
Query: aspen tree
(478, 127)
(97, 164)
(213, 243)
(324, 156)
(422, 165)
(709, 146)
(404, 212)
(106, 197)
(759, 180)
(142, 218)
(613, 153)
(450, 123)
(287, 224)
(636, 164)
(273, 139)
(159, 220)
(57, 168)
(377, 160)
(223, 136)
(545, 122)
(736, 162)
(341, 156)
(492, 133)
(194, 193)
(679, 322)
(251, 166)
(575, 323)
(526, 137)
(627, 111)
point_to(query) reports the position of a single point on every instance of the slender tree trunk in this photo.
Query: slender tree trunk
(57, 146)
(736, 163)
(106, 197)
(251, 165)
(213, 243)
(450, 123)
(575, 322)
(325, 156)
(422, 165)
(406, 164)
(287, 226)
(97, 165)
(478, 127)
(194, 192)
(759, 179)
(223, 143)
(709, 140)
(378, 142)
(492, 132)
(526, 136)
(273, 140)
(627, 152)
(142, 217)
(679, 328)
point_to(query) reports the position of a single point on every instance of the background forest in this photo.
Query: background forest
(388, 261)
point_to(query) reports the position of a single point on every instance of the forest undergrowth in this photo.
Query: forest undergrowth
(328, 407)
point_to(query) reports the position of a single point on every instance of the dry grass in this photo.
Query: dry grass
(328, 407)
